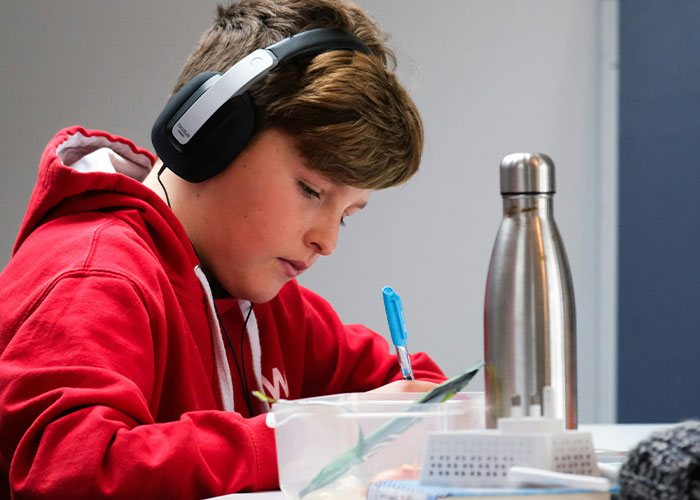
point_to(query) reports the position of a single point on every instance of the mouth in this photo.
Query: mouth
(293, 268)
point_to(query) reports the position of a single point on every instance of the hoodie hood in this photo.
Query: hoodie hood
(79, 163)
(85, 170)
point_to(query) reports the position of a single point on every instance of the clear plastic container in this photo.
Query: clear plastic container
(311, 433)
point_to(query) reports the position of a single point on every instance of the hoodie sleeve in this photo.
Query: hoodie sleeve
(80, 382)
(351, 358)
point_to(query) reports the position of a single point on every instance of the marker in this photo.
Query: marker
(525, 476)
(397, 327)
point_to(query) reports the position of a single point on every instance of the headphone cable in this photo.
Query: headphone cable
(167, 198)
(245, 372)
(243, 377)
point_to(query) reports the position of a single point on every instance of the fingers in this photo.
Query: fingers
(405, 386)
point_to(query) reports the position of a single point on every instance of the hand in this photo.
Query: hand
(405, 386)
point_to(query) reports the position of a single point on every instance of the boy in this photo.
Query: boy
(141, 309)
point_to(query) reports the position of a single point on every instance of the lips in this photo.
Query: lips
(294, 268)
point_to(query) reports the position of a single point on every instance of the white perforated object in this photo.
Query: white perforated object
(483, 457)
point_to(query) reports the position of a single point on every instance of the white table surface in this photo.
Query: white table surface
(618, 437)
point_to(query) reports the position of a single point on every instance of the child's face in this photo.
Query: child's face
(266, 218)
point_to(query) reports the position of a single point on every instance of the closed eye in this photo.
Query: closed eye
(308, 192)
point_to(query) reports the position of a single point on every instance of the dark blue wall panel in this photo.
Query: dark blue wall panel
(659, 236)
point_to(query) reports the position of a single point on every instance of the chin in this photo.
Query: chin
(260, 296)
(250, 290)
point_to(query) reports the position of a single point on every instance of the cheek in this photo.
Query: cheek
(252, 219)
(278, 209)
(273, 223)
(258, 223)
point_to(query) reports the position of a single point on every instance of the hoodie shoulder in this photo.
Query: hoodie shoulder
(78, 160)
(89, 210)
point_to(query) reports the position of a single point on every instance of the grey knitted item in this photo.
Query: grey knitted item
(664, 466)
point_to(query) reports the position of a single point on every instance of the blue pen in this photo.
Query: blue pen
(397, 327)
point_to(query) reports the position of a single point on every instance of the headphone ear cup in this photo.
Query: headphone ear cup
(215, 145)
(221, 139)
(167, 148)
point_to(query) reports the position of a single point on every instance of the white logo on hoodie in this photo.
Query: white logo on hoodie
(279, 381)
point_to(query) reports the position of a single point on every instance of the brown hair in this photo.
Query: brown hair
(352, 120)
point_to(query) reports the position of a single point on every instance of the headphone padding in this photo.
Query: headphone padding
(221, 139)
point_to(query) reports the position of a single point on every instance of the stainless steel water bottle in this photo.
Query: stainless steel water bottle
(529, 312)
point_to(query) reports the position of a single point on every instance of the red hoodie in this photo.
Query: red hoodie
(115, 380)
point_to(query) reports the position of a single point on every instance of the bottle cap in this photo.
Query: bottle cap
(527, 173)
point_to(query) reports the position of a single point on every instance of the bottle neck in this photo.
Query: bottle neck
(522, 204)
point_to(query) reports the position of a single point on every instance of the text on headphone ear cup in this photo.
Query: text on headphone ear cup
(220, 140)
(169, 151)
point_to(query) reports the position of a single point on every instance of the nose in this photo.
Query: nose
(323, 236)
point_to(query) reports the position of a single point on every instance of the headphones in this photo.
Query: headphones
(208, 122)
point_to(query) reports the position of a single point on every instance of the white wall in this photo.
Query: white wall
(490, 77)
